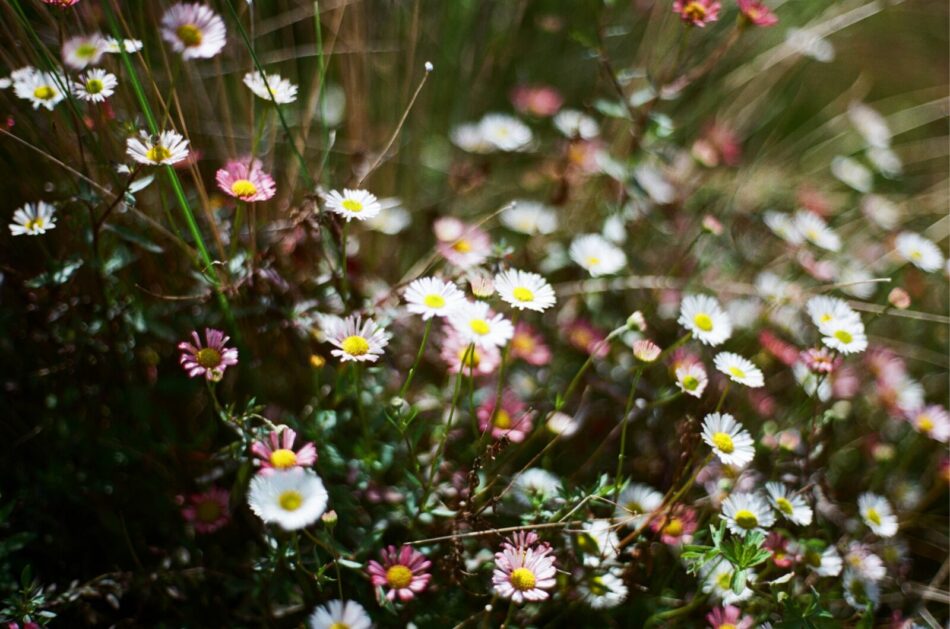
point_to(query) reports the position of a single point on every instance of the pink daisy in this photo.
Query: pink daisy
(207, 511)
(729, 617)
(455, 351)
(677, 527)
(512, 420)
(277, 452)
(523, 573)
(246, 180)
(403, 571)
(463, 245)
(933, 421)
(697, 12)
(528, 345)
(819, 360)
(758, 13)
(210, 360)
(536, 100)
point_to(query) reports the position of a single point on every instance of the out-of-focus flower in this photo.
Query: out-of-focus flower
(575, 124)
(392, 219)
(208, 360)
(42, 89)
(729, 617)
(819, 360)
(337, 614)
(62, 4)
(246, 180)
(597, 255)
(598, 542)
(463, 245)
(504, 132)
(816, 231)
(207, 511)
(510, 420)
(697, 12)
(535, 485)
(757, 13)
(292, 499)
(404, 572)
(919, 251)
(587, 338)
(646, 350)
(677, 527)
(691, 378)
(739, 369)
(603, 591)
(859, 592)
(357, 340)
(528, 345)
(271, 87)
(933, 421)
(194, 30)
(530, 217)
(168, 147)
(524, 290)
(115, 46)
(461, 354)
(536, 100)
(33, 219)
(704, 317)
(277, 453)
(729, 440)
(716, 577)
(877, 514)
(899, 298)
(83, 50)
(635, 502)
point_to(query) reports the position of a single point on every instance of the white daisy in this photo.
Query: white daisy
(358, 204)
(691, 379)
(168, 148)
(273, 87)
(575, 124)
(339, 614)
(357, 340)
(524, 290)
(816, 231)
(292, 499)
(42, 89)
(792, 506)
(919, 251)
(96, 85)
(744, 512)
(535, 485)
(597, 255)
(599, 542)
(823, 309)
(468, 137)
(852, 172)
(476, 324)
(114, 46)
(933, 421)
(704, 317)
(716, 578)
(859, 592)
(529, 217)
(826, 563)
(783, 226)
(635, 502)
(504, 132)
(194, 30)
(431, 297)
(603, 591)
(866, 564)
(870, 124)
(83, 50)
(739, 369)
(845, 335)
(729, 440)
(33, 219)
(877, 514)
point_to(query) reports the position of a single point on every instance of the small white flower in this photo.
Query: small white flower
(273, 87)
(530, 217)
(704, 317)
(716, 578)
(504, 132)
(603, 591)
(635, 502)
(33, 219)
(431, 297)
(884, 212)
(816, 231)
(96, 85)
(745, 512)
(826, 563)
(194, 30)
(599, 542)
(866, 564)
(877, 514)
(83, 50)
(919, 251)
(357, 340)
(358, 204)
(168, 148)
(845, 335)
(524, 290)
(575, 124)
(475, 324)
(792, 506)
(739, 369)
(292, 499)
(114, 46)
(859, 592)
(339, 614)
(783, 226)
(597, 255)
(691, 379)
(852, 173)
(535, 485)
(729, 440)
(870, 124)
(933, 421)
(823, 309)
(469, 138)
(42, 89)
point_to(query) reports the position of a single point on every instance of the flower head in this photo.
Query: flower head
(528, 345)
(460, 354)
(697, 12)
(504, 132)
(739, 369)
(524, 290)
(207, 511)
(208, 360)
(33, 219)
(524, 572)
(246, 180)
(510, 419)
(919, 251)
(42, 89)
(729, 440)
(704, 317)
(357, 340)
(339, 614)
(691, 378)
(83, 50)
(790, 506)
(292, 499)
(536, 100)
(271, 87)
(535, 486)
(646, 350)
(597, 255)
(194, 30)
(933, 421)
(358, 204)
(168, 147)
(475, 323)
(877, 514)
(845, 335)
(432, 297)
(814, 229)
(529, 217)
(404, 572)
(717, 580)
(757, 13)
(603, 590)
(635, 502)
(463, 245)
(277, 452)
(95, 86)
(677, 526)
(574, 124)
(729, 617)
(745, 512)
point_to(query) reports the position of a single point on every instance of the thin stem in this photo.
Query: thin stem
(722, 398)
(415, 365)
(344, 288)
(623, 432)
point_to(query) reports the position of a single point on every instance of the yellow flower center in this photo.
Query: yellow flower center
(694, 11)
(94, 86)
(502, 419)
(190, 35)
(399, 577)
(86, 50)
(723, 442)
(208, 357)
(916, 254)
(339, 625)
(355, 345)
(352, 205)
(874, 516)
(283, 459)
(784, 506)
(690, 382)
(158, 153)
(674, 528)
(593, 260)
(434, 301)
(597, 587)
(924, 423)
(462, 246)
(703, 321)
(633, 507)
(479, 326)
(522, 294)
(746, 519)
(844, 336)
(208, 510)
(522, 579)
(738, 373)
(34, 224)
(290, 500)
(243, 188)
(44, 92)
(727, 625)
(724, 581)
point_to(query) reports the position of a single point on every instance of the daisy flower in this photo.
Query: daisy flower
(816, 231)
(529, 217)
(603, 591)
(716, 579)
(468, 137)
(115, 46)
(524, 290)
(271, 87)
(528, 345)
(169, 147)
(599, 542)
(475, 323)
(823, 309)
(33, 219)
(574, 124)
(746, 512)
(864, 563)
(504, 132)
(207, 511)
(792, 506)
(512, 419)
(739, 369)
(845, 335)
(463, 245)
(404, 572)
(824, 563)
(357, 340)
(646, 350)
(859, 592)
(729, 440)
(691, 379)
(597, 255)
(358, 204)
(461, 354)
(877, 514)
(784, 227)
(523, 573)
(635, 502)
(339, 614)
(704, 317)
(697, 12)
(757, 13)
(431, 297)
(919, 251)
(277, 453)
(96, 85)
(83, 50)
(42, 89)
(292, 499)
(677, 527)
(535, 486)
(933, 421)
(730, 616)
(208, 360)
(194, 30)
(536, 100)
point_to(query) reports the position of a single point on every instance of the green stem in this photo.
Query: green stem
(722, 398)
(344, 288)
(415, 365)
(623, 432)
